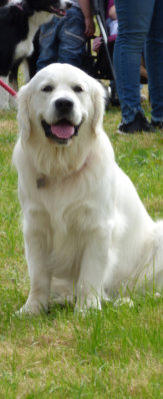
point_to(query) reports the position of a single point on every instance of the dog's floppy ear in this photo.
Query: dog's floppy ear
(98, 99)
(23, 113)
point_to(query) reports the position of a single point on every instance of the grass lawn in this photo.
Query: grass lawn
(113, 354)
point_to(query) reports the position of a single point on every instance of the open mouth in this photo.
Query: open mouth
(61, 12)
(61, 132)
(57, 11)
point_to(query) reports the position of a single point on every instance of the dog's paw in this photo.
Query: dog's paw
(31, 308)
(157, 295)
(63, 299)
(124, 301)
(83, 305)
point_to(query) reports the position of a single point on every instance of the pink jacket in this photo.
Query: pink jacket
(110, 4)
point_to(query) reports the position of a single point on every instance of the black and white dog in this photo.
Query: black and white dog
(19, 22)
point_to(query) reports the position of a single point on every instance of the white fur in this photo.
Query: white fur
(25, 47)
(86, 226)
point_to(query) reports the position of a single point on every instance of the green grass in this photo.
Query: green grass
(113, 354)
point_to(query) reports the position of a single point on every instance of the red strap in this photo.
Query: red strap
(8, 88)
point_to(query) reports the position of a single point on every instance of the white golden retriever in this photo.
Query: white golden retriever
(84, 223)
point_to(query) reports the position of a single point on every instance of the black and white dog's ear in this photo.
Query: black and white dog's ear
(98, 99)
(23, 113)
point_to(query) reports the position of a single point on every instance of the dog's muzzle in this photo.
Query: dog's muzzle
(64, 128)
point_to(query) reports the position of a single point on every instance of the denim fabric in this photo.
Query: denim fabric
(139, 22)
(63, 39)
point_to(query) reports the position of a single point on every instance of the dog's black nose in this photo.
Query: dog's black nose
(63, 105)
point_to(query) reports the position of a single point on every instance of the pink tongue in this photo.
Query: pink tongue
(63, 130)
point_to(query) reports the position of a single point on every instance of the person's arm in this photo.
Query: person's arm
(89, 23)
(112, 13)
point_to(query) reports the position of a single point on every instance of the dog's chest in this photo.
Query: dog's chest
(69, 208)
(25, 47)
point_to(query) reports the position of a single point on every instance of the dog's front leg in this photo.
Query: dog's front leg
(36, 249)
(94, 263)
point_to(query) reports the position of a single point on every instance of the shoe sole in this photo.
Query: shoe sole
(128, 133)
(136, 132)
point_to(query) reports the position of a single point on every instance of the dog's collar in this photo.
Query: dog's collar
(84, 164)
(43, 180)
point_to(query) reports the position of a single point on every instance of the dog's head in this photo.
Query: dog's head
(52, 6)
(60, 103)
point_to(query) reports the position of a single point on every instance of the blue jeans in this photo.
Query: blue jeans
(139, 22)
(63, 39)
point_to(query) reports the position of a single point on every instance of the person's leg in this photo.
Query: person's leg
(72, 38)
(134, 19)
(154, 58)
(114, 95)
(48, 43)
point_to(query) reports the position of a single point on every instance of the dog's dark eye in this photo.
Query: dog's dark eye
(77, 89)
(47, 89)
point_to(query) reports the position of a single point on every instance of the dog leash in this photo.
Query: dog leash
(8, 88)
